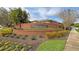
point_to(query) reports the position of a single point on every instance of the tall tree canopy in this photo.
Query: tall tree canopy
(17, 15)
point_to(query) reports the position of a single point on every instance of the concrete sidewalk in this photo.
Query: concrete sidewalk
(72, 43)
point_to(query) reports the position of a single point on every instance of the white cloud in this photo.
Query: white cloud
(77, 21)
(44, 12)
(53, 11)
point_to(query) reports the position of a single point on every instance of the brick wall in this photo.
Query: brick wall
(31, 32)
(29, 25)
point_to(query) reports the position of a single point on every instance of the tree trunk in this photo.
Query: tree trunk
(20, 25)
(65, 27)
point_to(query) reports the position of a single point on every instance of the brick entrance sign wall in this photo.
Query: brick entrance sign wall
(31, 32)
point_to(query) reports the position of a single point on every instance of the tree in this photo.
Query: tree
(49, 20)
(69, 16)
(4, 17)
(18, 16)
(25, 17)
(13, 15)
(76, 25)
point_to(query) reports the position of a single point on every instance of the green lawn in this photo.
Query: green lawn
(52, 45)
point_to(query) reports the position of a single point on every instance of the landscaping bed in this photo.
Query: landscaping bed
(30, 40)
(8, 45)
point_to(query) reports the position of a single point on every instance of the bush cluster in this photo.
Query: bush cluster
(57, 34)
(5, 31)
(33, 37)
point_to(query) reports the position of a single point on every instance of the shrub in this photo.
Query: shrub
(26, 35)
(5, 31)
(57, 34)
(23, 37)
(18, 36)
(29, 48)
(33, 38)
(7, 45)
(51, 35)
(12, 35)
(6, 35)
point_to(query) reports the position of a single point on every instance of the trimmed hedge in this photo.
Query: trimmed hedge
(57, 34)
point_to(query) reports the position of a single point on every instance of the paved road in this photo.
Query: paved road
(72, 43)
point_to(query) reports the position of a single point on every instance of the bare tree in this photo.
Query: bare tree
(3, 16)
(69, 16)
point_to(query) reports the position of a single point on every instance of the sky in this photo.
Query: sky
(43, 13)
